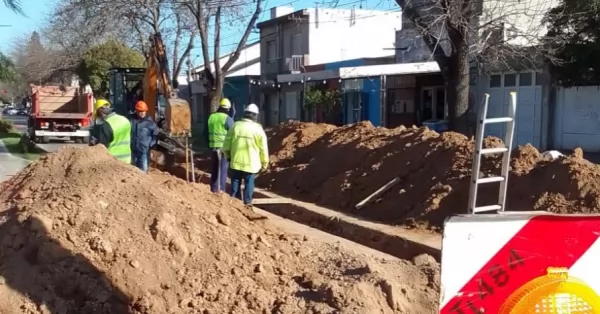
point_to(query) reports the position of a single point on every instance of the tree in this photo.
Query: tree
(575, 31)
(14, 5)
(496, 34)
(136, 21)
(207, 14)
(7, 69)
(95, 63)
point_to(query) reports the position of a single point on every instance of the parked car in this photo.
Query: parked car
(10, 111)
(22, 112)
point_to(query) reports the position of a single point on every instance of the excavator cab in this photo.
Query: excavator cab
(123, 83)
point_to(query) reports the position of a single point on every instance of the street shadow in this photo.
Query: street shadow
(55, 279)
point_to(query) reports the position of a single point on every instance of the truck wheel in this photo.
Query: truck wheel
(85, 140)
(78, 140)
(45, 139)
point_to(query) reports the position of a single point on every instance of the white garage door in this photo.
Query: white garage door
(528, 128)
(577, 119)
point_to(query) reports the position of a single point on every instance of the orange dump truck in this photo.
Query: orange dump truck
(59, 112)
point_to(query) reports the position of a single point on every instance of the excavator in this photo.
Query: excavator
(171, 113)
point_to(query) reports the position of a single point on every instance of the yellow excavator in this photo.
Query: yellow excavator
(151, 84)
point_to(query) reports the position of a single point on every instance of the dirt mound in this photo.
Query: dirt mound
(84, 233)
(431, 172)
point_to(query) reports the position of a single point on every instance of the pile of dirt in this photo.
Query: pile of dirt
(347, 164)
(84, 233)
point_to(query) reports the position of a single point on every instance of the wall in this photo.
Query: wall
(524, 16)
(248, 56)
(577, 118)
(282, 35)
(336, 35)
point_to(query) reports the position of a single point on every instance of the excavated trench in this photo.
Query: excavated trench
(395, 241)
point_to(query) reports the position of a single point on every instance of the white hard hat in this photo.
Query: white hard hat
(252, 108)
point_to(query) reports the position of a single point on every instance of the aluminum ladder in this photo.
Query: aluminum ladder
(509, 131)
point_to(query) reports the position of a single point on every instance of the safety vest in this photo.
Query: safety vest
(246, 147)
(120, 147)
(216, 129)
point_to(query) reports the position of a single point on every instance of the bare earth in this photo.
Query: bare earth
(84, 233)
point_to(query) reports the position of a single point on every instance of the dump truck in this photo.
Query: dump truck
(59, 111)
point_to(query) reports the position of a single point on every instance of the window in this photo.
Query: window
(271, 51)
(525, 79)
(295, 44)
(496, 80)
(510, 80)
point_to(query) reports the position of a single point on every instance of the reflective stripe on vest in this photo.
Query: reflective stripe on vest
(216, 129)
(120, 147)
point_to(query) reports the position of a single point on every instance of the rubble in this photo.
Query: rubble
(85, 233)
(338, 167)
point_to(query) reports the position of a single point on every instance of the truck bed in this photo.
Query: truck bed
(52, 103)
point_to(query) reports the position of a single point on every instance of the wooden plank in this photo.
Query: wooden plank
(261, 201)
(377, 193)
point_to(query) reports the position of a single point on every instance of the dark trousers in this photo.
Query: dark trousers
(140, 160)
(218, 171)
(239, 177)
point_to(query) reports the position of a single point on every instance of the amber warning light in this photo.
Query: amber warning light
(554, 293)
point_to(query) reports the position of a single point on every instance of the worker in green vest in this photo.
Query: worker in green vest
(114, 132)
(248, 153)
(216, 129)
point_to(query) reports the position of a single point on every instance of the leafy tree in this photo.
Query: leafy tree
(575, 28)
(95, 63)
(7, 69)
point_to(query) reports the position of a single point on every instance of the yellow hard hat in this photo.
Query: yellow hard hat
(225, 103)
(101, 103)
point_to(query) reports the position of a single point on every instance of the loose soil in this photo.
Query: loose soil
(337, 167)
(84, 233)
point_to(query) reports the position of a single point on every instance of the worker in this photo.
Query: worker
(144, 134)
(246, 149)
(95, 121)
(216, 129)
(113, 131)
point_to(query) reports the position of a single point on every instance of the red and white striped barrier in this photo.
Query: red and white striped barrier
(520, 263)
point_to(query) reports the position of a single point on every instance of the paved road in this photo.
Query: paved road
(55, 144)
(9, 164)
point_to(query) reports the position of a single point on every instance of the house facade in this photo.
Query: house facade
(292, 40)
(238, 84)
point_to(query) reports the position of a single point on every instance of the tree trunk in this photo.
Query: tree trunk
(216, 94)
(457, 87)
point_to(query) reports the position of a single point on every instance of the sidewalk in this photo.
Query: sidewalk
(9, 164)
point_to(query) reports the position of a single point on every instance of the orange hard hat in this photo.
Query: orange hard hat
(141, 106)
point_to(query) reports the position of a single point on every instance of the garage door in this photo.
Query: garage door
(528, 127)
(577, 119)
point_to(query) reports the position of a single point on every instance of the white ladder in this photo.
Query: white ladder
(509, 131)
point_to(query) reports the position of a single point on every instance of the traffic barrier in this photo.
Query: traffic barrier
(518, 263)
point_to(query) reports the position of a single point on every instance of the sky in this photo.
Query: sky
(38, 10)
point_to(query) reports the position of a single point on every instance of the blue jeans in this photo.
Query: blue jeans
(239, 177)
(218, 171)
(140, 160)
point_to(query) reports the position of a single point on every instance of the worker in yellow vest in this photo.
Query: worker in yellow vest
(246, 148)
(218, 124)
(113, 131)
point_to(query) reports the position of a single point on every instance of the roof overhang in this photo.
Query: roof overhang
(362, 71)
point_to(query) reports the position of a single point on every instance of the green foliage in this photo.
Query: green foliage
(6, 126)
(575, 28)
(7, 69)
(328, 99)
(95, 63)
